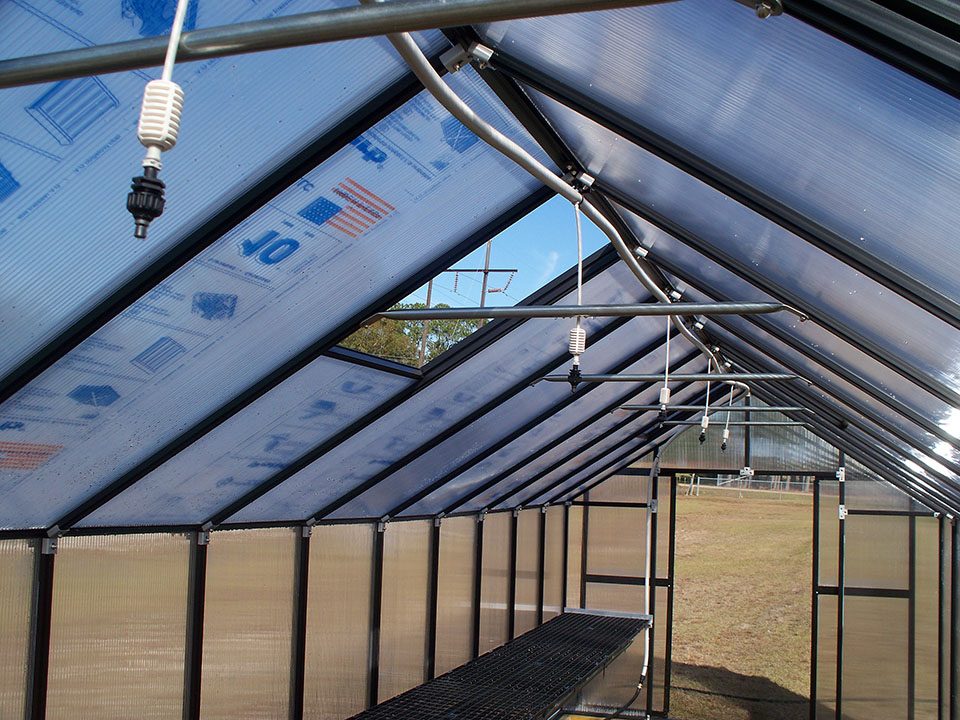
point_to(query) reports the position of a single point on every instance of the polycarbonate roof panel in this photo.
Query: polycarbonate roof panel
(69, 149)
(539, 470)
(588, 481)
(823, 282)
(533, 442)
(327, 248)
(254, 444)
(483, 377)
(515, 412)
(708, 274)
(834, 133)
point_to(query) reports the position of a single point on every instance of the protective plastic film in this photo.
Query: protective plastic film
(495, 581)
(458, 537)
(554, 553)
(253, 445)
(247, 624)
(338, 621)
(118, 627)
(528, 571)
(403, 622)
(806, 93)
(370, 217)
(17, 561)
(73, 143)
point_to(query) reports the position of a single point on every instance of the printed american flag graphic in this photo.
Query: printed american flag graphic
(354, 211)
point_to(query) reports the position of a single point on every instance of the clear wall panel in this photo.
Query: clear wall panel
(927, 618)
(258, 296)
(247, 624)
(528, 571)
(458, 537)
(877, 552)
(616, 541)
(874, 657)
(685, 451)
(338, 621)
(119, 627)
(868, 491)
(17, 561)
(403, 623)
(553, 579)
(494, 585)
(574, 557)
(829, 535)
(620, 488)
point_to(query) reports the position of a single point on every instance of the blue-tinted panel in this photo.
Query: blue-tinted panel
(493, 426)
(481, 378)
(839, 388)
(533, 443)
(539, 468)
(253, 445)
(830, 131)
(375, 213)
(69, 149)
(710, 275)
(585, 483)
(861, 304)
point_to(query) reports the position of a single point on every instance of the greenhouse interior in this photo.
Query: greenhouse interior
(253, 466)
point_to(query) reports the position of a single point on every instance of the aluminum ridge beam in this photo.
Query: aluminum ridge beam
(345, 23)
(690, 377)
(567, 311)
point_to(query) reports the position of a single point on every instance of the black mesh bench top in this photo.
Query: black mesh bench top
(528, 678)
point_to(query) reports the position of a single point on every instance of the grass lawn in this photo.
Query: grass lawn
(742, 607)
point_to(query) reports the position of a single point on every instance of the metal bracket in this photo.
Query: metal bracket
(568, 503)
(842, 512)
(766, 8)
(381, 526)
(842, 474)
(746, 472)
(306, 531)
(456, 57)
(543, 509)
(654, 505)
(207, 526)
(203, 537)
(516, 511)
(437, 519)
(48, 545)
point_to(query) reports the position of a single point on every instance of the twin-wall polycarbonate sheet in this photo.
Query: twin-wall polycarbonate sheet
(68, 149)
(565, 461)
(527, 571)
(832, 132)
(118, 627)
(495, 581)
(512, 414)
(780, 256)
(541, 455)
(483, 377)
(458, 538)
(327, 248)
(839, 390)
(17, 563)
(602, 397)
(257, 442)
(633, 459)
(248, 628)
(876, 305)
(554, 553)
(865, 490)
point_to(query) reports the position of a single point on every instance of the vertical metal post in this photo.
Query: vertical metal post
(954, 610)
(299, 645)
(486, 277)
(841, 582)
(40, 630)
(815, 599)
(477, 585)
(512, 575)
(193, 662)
(426, 326)
(566, 554)
(542, 563)
(433, 589)
(376, 606)
(651, 636)
(583, 549)
(941, 607)
(671, 567)
(912, 618)
(746, 434)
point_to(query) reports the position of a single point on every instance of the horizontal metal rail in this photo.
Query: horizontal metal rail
(566, 311)
(345, 23)
(719, 409)
(690, 377)
(739, 423)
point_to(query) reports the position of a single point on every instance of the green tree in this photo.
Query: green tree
(399, 340)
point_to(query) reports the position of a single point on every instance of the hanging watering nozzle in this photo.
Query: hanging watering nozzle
(578, 336)
(726, 436)
(704, 424)
(157, 131)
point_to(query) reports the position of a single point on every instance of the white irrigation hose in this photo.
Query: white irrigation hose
(175, 31)
(418, 63)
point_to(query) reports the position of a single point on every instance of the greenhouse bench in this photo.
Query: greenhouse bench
(528, 678)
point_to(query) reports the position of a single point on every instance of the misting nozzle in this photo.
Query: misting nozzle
(574, 377)
(704, 424)
(145, 201)
(726, 436)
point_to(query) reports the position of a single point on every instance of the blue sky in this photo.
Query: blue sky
(540, 246)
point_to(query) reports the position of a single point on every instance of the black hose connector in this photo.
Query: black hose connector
(703, 437)
(145, 202)
(574, 377)
(723, 446)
